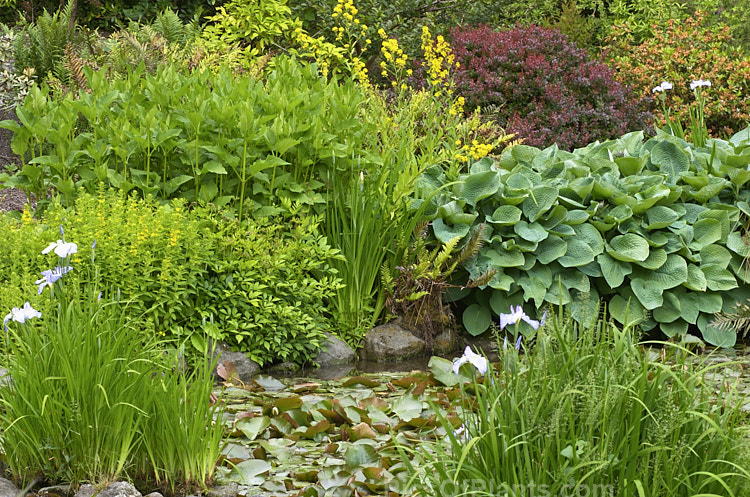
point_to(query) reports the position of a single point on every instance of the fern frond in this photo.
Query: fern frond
(738, 320)
(445, 254)
(473, 246)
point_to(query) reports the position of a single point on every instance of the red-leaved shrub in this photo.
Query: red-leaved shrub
(538, 84)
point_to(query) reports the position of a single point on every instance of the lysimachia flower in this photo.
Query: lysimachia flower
(61, 248)
(21, 315)
(518, 315)
(699, 82)
(476, 360)
(664, 86)
(49, 276)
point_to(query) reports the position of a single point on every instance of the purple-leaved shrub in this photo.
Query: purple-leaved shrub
(536, 83)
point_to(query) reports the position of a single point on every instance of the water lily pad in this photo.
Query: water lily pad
(250, 472)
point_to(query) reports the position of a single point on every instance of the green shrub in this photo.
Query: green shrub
(587, 412)
(266, 288)
(680, 52)
(651, 226)
(153, 255)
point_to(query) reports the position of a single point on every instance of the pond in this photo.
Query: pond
(331, 431)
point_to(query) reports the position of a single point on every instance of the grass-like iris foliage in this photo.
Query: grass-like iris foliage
(586, 409)
(91, 398)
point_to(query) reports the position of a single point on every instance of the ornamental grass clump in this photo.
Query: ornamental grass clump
(587, 411)
(91, 398)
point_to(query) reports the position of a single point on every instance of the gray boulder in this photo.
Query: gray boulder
(7, 489)
(390, 342)
(445, 343)
(244, 367)
(335, 352)
(117, 489)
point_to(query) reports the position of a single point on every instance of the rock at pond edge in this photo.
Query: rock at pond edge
(391, 342)
(334, 352)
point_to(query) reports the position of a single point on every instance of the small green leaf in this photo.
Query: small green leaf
(578, 253)
(551, 249)
(446, 233)
(539, 201)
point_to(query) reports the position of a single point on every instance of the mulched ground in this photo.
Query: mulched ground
(10, 198)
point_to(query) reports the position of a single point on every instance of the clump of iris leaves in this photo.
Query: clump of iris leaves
(585, 408)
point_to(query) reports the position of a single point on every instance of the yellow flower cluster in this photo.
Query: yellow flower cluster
(476, 151)
(26, 217)
(457, 107)
(438, 62)
(394, 60)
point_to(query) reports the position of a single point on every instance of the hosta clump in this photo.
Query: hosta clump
(538, 84)
(651, 227)
(13, 86)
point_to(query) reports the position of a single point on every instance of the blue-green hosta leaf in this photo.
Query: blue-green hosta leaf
(740, 268)
(705, 232)
(592, 269)
(714, 186)
(501, 281)
(628, 248)
(657, 239)
(630, 165)
(650, 296)
(715, 336)
(578, 253)
(480, 186)
(656, 259)
(477, 319)
(738, 245)
(670, 310)
(626, 310)
(672, 161)
(524, 153)
(522, 178)
(576, 217)
(737, 175)
(551, 249)
(689, 303)
(591, 236)
(505, 215)
(718, 278)
(584, 306)
(563, 230)
(675, 328)
(660, 217)
(501, 302)
(648, 198)
(618, 214)
(533, 232)
(554, 217)
(741, 138)
(453, 213)
(727, 215)
(614, 271)
(715, 254)
(696, 280)
(534, 289)
(672, 273)
(601, 225)
(710, 302)
(539, 201)
(504, 257)
(574, 280)
(446, 233)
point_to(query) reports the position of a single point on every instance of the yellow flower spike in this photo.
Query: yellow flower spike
(384, 73)
(458, 142)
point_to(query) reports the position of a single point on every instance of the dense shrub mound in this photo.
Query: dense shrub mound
(542, 87)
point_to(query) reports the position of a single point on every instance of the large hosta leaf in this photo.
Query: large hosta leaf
(539, 201)
(628, 248)
(626, 310)
(533, 232)
(446, 233)
(591, 236)
(737, 244)
(505, 215)
(650, 296)
(715, 254)
(656, 259)
(696, 280)
(672, 273)
(551, 249)
(705, 232)
(477, 319)
(578, 253)
(715, 336)
(718, 278)
(480, 186)
(672, 161)
(670, 310)
(675, 328)
(614, 271)
(660, 216)
(503, 256)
